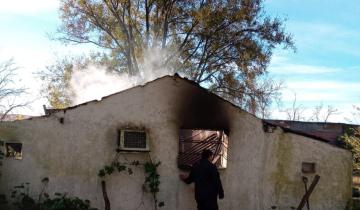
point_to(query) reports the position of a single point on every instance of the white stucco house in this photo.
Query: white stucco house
(261, 165)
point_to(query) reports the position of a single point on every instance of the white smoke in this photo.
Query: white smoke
(95, 82)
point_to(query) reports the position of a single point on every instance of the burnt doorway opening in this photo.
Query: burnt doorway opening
(193, 141)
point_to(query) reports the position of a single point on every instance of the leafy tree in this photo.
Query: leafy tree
(57, 77)
(351, 141)
(56, 87)
(9, 92)
(224, 45)
(56, 80)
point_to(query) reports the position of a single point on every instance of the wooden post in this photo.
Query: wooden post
(106, 198)
(305, 180)
(308, 193)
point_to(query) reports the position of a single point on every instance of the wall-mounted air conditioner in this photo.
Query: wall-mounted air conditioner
(133, 140)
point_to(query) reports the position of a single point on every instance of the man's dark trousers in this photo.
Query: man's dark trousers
(207, 205)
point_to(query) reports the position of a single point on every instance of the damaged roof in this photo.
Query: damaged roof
(325, 132)
(175, 76)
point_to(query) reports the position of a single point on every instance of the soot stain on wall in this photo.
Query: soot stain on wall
(200, 109)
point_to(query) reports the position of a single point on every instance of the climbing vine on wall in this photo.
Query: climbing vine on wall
(151, 181)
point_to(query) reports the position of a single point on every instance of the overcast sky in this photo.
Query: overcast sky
(325, 69)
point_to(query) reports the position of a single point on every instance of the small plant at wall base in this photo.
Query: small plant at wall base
(152, 178)
(22, 201)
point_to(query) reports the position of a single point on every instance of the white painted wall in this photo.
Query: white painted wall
(264, 169)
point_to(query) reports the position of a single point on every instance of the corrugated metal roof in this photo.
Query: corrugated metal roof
(329, 132)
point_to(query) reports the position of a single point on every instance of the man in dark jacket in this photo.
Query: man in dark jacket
(207, 182)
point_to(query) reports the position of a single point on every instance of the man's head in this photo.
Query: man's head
(206, 154)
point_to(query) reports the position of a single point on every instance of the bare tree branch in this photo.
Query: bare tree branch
(9, 92)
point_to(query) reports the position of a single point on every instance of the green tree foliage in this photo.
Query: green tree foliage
(351, 141)
(56, 78)
(224, 45)
(56, 81)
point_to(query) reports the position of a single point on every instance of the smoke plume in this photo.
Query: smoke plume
(95, 81)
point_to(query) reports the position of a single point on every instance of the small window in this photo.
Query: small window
(133, 140)
(308, 168)
(193, 142)
(13, 150)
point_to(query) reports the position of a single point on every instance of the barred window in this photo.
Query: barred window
(13, 150)
(193, 142)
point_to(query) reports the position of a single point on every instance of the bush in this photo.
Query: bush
(60, 202)
(351, 141)
(22, 201)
